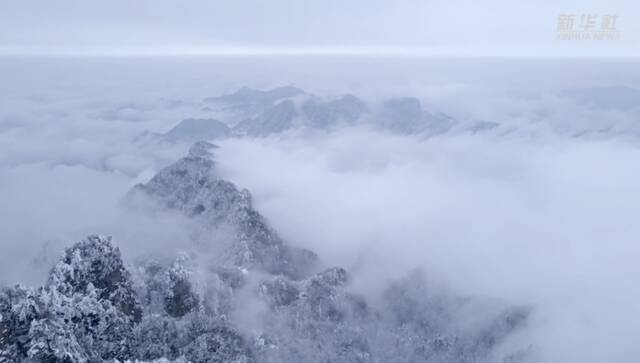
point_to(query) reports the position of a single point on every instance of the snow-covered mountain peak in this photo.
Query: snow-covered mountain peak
(192, 187)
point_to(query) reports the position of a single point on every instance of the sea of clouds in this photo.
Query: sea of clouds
(541, 214)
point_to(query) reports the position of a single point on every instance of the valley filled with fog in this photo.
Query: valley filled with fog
(416, 209)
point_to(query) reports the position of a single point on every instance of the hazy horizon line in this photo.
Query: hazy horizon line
(266, 51)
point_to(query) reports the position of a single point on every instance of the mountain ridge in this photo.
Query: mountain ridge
(262, 304)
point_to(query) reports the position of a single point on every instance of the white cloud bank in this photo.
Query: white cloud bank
(529, 217)
(551, 225)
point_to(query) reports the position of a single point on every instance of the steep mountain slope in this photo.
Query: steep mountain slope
(276, 119)
(265, 301)
(190, 186)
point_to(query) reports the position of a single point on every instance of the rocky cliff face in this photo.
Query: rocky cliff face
(95, 308)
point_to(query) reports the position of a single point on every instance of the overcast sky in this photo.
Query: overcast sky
(452, 27)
